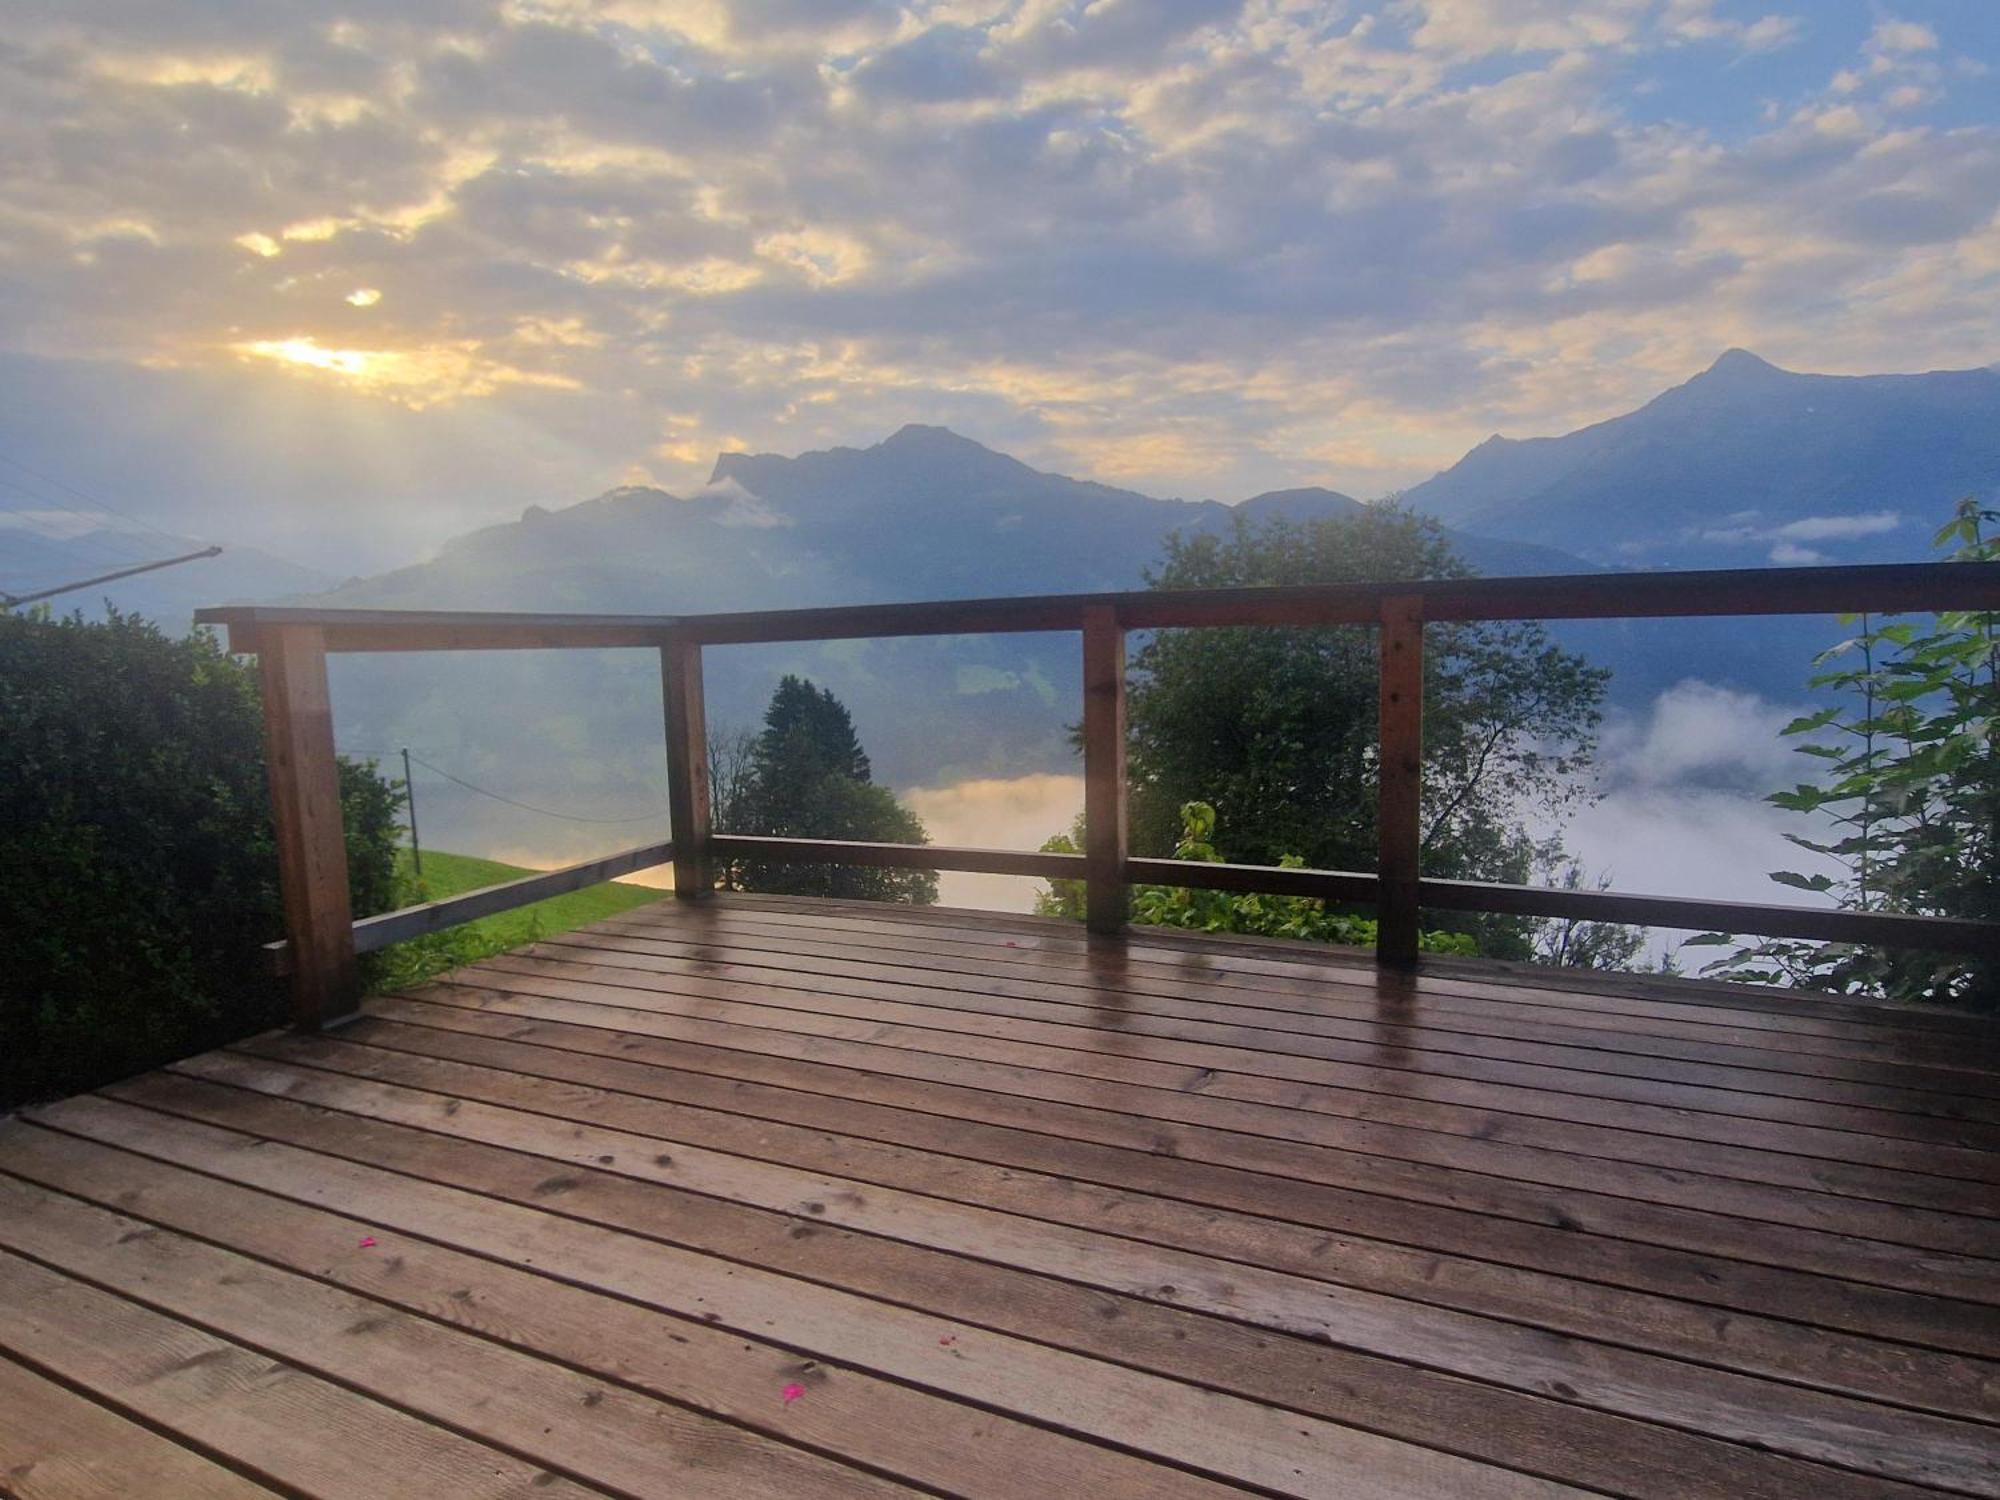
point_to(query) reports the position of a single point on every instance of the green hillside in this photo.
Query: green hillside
(452, 874)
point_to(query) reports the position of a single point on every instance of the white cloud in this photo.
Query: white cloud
(1699, 734)
(1696, 21)
(741, 508)
(1892, 36)
(1684, 810)
(1789, 536)
(1830, 528)
(1476, 28)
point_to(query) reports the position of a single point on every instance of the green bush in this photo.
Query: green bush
(138, 873)
(1904, 796)
(1305, 918)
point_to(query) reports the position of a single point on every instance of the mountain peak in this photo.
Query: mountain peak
(1306, 503)
(1741, 364)
(918, 437)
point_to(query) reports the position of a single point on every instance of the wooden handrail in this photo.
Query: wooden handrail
(1876, 587)
(323, 941)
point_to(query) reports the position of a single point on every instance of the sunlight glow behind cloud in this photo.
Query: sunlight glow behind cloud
(415, 377)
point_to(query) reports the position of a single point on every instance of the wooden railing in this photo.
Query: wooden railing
(323, 939)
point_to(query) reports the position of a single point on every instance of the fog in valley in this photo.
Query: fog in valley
(1679, 809)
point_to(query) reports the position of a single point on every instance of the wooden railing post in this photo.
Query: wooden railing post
(1106, 898)
(305, 813)
(687, 763)
(1401, 767)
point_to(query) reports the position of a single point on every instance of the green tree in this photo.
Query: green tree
(1909, 785)
(1576, 942)
(138, 872)
(1277, 728)
(808, 777)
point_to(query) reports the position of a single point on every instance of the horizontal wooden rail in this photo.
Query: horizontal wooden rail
(1028, 862)
(1876, 587)
(1757, 918)
(371, 933)
(1342, 886)
(441, 630)
(1765, 919)
(295, 642)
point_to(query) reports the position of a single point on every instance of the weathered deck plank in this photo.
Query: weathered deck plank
(57, 1445)
(1017, 1212)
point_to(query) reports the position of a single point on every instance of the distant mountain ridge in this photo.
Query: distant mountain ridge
(923, 514)
(1744, 464)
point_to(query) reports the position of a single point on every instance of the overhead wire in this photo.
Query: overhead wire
(92, 501)
(107, 546)
(37, 526)
(547, 812)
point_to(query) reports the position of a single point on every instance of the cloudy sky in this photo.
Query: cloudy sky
(346, 278)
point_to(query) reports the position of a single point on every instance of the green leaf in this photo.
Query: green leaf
(1810, 722)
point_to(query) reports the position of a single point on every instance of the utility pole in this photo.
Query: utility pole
(8, 601)
(410, 801)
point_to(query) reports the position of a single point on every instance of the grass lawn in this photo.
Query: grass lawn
(451, 875)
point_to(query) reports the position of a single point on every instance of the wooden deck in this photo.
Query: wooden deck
(789, 1199)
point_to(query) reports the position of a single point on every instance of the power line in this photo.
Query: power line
(547, 812)
(48, 506)
(38, 526)
(43, 529)
(90, 500)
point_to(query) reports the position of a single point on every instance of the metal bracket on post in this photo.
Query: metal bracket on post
(1400, 775)
(1106, 896)
(687, 764)
(306, 815)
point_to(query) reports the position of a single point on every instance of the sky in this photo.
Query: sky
(343, 280)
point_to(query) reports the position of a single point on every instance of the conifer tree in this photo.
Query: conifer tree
(809, 778)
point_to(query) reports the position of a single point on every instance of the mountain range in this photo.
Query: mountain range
(1743, 464)
(924, 514)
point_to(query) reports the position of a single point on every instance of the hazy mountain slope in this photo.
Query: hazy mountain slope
(1742, 465)
(924, 515)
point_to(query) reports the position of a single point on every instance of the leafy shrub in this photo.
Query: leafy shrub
(1304, 917)
(1907, 777)
(138, 871)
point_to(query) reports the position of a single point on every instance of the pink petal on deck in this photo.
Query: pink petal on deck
(792, 1393)
(367, 1242)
